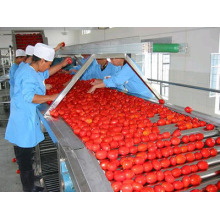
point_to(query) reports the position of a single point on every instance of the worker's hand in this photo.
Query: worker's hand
(96, 81)
(66, 61)
(48, 86)
(73, 70)
(92, 89)
(65, 84)
(59, 46)
(53, 97)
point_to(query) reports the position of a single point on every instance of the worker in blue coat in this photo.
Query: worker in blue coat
(20, 56)
(24, 129)
(49, 72)
(101, 69)
(75, 69)
(125, 78)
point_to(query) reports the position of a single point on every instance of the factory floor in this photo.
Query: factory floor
(9, 179)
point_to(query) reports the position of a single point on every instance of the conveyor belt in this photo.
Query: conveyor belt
(49, 164)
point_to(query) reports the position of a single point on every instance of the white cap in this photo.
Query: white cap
(44, 51)
(20, 53)
(29, 50)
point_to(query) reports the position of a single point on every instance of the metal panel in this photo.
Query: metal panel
(135, 48)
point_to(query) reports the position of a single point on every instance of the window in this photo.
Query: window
(86, 32)
(215, 73)
(157, 66)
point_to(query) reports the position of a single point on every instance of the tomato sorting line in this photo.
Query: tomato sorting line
(102, 122)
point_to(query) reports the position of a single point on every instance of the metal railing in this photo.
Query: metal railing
(183, 85)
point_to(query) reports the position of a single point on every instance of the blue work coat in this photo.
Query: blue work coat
(12, 71)
(128, 79)
(95, 72)
(24, 127)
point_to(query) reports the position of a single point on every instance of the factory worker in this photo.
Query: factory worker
(78, 67)
(100, 70)
(126, 78)
(20, 56)
(24, 129)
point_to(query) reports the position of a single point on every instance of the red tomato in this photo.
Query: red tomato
(165, 163)
(169, 178)
(156, 164)
(147, 166)
(137, 169)
(198, 155)
(167, 143)
(151, 156)
(127, 164)
(186, 170)
(116, 186)
(112, 166)
(184, 149)
(176, 133)
(185, 139)
(210, 126)
(180, 159)
(105, 146)
(159, 188)
(112, 154)
(192, 137)
(186, 181)
(129, 174)
(199, 145)
(13, 160)
(161, 101)
(166, 135)
(199, 136)
(140, 179)
(109, 175)
(205, 152)
(168, 186)
(126, 187)
(101, 154)
(158, 154)
(210, 142)
(218, 184)
(160, 175)
(142, 147)
(104, 164)
(190, 157)
(177, 150)
(147, 189)
(153, 136)
(176, 172)
(123, 151)
(178, 185)
(118, 137)
(213, 152)
(119, 176)
(151, 178)
(160, 144)
(139, 160)
(195, 190)
(188, 109)
(137, 187)
(194, 168)
(173, 161)
(133, 150)
(175, 140)
(202, 165)
(211, 188)
(195, 179)
(165, 152)
(217, 140)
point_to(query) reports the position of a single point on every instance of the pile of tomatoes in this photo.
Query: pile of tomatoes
(23, 40)
(209, 188)
(131, 150)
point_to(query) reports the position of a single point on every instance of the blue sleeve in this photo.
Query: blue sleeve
(46, 74)
(28, 85)
(92, 71)
(120, 77)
